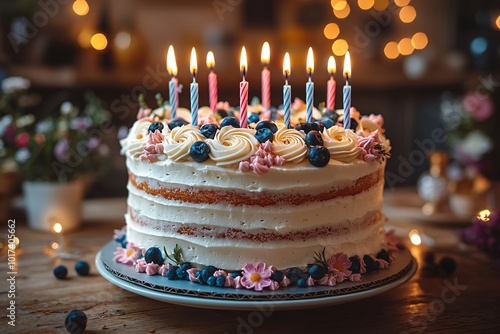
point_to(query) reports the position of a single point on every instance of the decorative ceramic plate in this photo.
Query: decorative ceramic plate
(196, 295)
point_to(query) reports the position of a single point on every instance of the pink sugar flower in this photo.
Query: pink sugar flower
(479, 106)
(152, 268)
(244, 167)
(339, 264)
(354, 277)
(192, 274)
(140, 266)
(127, 255)
(163, 269)
(256, 277)
(329, 279)
(285, 282)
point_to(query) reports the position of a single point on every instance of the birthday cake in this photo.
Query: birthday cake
(286, 205)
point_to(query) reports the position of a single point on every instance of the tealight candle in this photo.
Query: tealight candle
(212, 82)
(287, 90)
(266, 76)
(309, 86)
(331, 85)
(194, 89)
(347, 91)
(172, 85)
(243, 89)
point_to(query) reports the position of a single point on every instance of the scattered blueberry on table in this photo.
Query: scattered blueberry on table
(76, 322)
(60, 272)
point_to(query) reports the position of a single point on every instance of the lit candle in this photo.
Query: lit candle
(172, 85)
(266, 76)
(287, 90)
(212, 82)
(347, 91)
(309, 86)
(331, 85)
(243, 89)
(194, 89)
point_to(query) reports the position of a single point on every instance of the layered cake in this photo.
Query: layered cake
(263, 199)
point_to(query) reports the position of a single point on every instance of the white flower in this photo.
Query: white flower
(26, 120)
(4, 123)
(13, 84)
(475, 144)
(44, 126)
(66, 108)
(22, 155)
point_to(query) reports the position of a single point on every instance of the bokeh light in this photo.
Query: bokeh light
(338, 4)
(381, 4)
(122, 40)
(331, 30)
(81, 7)
(484, 215)
(407, 14)
(366, 4)
(391, 50)
(99, 41)
(405, 47)
(402, 3)
(342, 13)
(415, 237)
(479, 45)
(419, 41)
(497, 22)
(340, 47)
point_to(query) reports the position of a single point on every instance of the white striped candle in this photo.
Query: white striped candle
(309, 86)
(172, 85)
(347, 91)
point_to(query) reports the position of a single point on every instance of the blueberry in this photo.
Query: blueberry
(176, 122)
(153, 254)
(429, 258)
(220, 281)
(266, 124)
(383, 255)
(327, 123)
(186, 265)
(315, 126)
(230, 121)
(172, 273)
(155, 126)
(60, 272)
(277, 276)
(264, 134)
(316, 271)
(199, 151)
(181, 273)
(76, 322)
(306, 127)
(354, 125)
(355, 265)
(319, 156)
(313, 138)
(209, 130)
(253, 118)
(294, 274)
(121, 239)
(237, 274)
(207, 272)
(447, 265)
(321, 126)
(429, 270)
(82, 268)
(302, 283)
(222, 113)
(371, 264)
(211, 281)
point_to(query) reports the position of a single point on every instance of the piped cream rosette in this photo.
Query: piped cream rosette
(342, 144)
(179, 141)
(136, 139)
(289, 144)
(232, 145)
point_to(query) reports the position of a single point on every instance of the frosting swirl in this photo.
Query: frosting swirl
(179, 141)
(289, 144)
(136, 138)
(342, 144)
(232, 145)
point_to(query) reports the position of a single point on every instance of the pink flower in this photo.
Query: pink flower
(143, 113)
(140, 266)
(127, 255)
(152, 269)
(329, 279)
(163, 269)
(377, 119)
(244, 167)
(61, 150)
(479, 106)
(256, 277)
(22, 140)
(339, 264)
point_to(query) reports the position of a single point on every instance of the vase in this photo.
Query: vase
(48, 203)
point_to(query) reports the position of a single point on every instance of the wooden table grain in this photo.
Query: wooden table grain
(466, 302)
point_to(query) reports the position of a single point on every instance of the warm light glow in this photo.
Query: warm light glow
(415, 237)
(171, 63)
(84, 38)
(391, 50)
(265, 54)
(407, 14)
(122, 40)
(57, 228)
(497, 22)
(338, 4)
(286, 66)
(210, 60)
(332, 66)
(419, 41)
(81, 7)
(54, 245)
(193, 63)
(310, 61)
(243, 62)
(99, 41)
(342, 13)
(381, 4)
(331, 30)
(484, 215)
(402, 3)
(366, 4)
(405, 47)
(347, 65)
(340, 47)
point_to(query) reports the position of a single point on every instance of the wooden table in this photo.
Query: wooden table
(421, 305)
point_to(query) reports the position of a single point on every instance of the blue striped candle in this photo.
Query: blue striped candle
(287, 101)
(309, 100)
(172, 87)
(194, 103)
(347, 107)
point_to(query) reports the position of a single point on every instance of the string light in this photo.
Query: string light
(342, 13)
(405, 47)
(381, 5)
(331, 30)
(99, 41)
(407, 14)
(419, 41)
(391, 50)
(402, 3)
(81, 7)
(340, 47)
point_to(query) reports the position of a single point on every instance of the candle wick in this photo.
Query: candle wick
(194, 75)
(347, 79)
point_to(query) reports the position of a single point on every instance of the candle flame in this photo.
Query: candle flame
(57, 228)
(347, 66)
(332, 66)
(171, 63)
(286, 66)
(193, 63)
(415, 237)
(484, 215)
(210, 60)
(243, 62)
(265, 55)
(310, 62)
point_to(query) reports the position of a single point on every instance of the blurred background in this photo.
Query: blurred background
(412, 61)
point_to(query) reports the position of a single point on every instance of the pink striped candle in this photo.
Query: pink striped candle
(266, 76)
(212, 82)
(243, 90)
(331, 85)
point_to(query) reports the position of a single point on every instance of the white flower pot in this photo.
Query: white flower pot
(48, 203)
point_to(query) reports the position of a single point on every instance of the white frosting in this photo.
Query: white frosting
(290, 144)
(232, 145)
(342, 144)
(137, 137)
(179, 141)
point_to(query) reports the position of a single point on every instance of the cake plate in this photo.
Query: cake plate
(192, 294)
